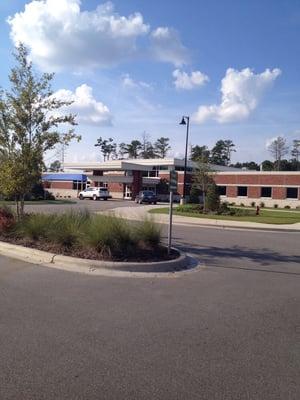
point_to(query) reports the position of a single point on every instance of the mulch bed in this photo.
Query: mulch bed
(145, 255)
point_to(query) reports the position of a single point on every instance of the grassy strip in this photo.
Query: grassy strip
(265, 217)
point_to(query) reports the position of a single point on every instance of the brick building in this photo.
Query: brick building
(125, 178)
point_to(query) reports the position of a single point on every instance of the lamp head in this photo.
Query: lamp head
(182, 121)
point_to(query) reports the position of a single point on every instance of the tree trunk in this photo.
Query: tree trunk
(22, 204)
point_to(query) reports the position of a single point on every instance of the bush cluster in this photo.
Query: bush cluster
(7, 219)
(223, 209)
(111, 237)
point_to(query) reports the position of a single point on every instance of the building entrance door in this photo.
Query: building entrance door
(128, 192)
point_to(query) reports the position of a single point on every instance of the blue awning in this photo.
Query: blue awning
(64, 177)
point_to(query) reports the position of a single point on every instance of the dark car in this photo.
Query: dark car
(146, 196)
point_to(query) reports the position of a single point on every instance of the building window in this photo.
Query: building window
(292, 193)
(79, 185)
(266, 192)
(242, 191)
(222, 190)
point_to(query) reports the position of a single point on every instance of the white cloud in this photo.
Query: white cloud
(167, 46)
(188, 82)
(241, 93)
(128, 82)
(89, 111)
(60, 35)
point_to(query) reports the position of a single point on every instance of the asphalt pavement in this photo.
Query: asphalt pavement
(229, 331)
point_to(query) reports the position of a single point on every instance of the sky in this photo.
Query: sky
(137, 66)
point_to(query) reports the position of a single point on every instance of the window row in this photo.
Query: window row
(242, 191)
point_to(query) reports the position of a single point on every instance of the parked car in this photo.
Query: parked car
(146, 196)
(95, 193)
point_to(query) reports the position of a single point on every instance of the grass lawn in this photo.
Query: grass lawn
(39, 202)
(265, 217)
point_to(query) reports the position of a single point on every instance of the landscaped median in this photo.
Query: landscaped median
(87, 242)
(235, 214)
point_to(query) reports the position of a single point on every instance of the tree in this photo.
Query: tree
(161, 147)
(212, 197)
(221, 152)
(107, 147)
(147, 150)
(30, 116)
(296, 152)
(200, 153)
(55, 166)
(278, 149)
(134, 148)
(251, 165)
(122, 151)
(202, 179)
(267, 165)
(229, 147)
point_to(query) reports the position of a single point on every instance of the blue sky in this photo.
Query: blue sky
(133, 66)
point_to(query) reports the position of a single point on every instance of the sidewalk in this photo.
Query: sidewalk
(138, 213)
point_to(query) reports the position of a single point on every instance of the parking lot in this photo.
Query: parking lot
(92, 206)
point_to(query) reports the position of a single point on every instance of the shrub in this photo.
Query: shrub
(275, 206)
(34, 226)
(241, 213)
(212, 202)
(191, 208)
(7, 219)
(261, 204)
(194, 195)
(253, 204)
(148, 233)
(287, 207)
(65, 229)
(242, 205)
(108, 235)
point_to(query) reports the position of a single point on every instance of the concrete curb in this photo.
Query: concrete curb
(180, 265)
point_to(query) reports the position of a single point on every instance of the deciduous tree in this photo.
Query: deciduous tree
(29, 126)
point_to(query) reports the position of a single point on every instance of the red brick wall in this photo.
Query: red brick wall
(137, 183)
(241, 179)
(231, 191)
(115, 187)
(278, 193)
(253, 192)
(61, 185)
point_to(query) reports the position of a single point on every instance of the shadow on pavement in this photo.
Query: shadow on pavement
(219, 257)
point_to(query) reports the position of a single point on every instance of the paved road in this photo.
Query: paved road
(90, 205)
(230, 331)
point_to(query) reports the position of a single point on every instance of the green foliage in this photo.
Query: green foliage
(148, 232)
(161, 147)
(194, 194)
(253, 204)
(212, 198)
(110, 236)
(191, 208)
(108, 147)
(221, 152)
(261, 204)
(29, 121)
(287, 207)
(55, 166)
(7, 219)
(200, 153)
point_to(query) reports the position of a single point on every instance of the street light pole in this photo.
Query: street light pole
(185, 121)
